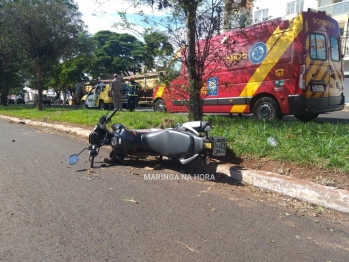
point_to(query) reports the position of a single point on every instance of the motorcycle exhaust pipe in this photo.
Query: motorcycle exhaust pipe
(185, 161)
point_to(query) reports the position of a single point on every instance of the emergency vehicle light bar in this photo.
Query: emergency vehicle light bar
(317, 11)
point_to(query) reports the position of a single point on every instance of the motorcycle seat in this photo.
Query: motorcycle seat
(171, 143)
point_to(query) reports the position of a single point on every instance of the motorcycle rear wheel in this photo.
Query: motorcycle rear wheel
(207, 159)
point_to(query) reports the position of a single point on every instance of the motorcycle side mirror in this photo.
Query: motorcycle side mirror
(73, 159)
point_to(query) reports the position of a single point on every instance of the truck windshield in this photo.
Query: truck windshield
(176, 65)
(174, 69)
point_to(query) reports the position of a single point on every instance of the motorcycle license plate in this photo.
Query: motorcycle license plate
(219, 146)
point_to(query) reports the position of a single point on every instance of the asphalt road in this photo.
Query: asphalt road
(50, 211)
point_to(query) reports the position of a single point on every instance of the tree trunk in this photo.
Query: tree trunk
(4, 94)
(5, 84)
(39, 76)
(195, 108)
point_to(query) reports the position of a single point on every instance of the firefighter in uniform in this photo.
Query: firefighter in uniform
(132, 94)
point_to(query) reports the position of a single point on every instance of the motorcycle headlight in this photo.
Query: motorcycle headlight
(94, 138)
(114, 141)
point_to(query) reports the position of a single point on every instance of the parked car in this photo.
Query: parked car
(45, 100)
(100, 96)
(19, 100)
(10, 101)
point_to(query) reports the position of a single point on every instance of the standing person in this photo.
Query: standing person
(161, 77)
(132, 94)
(116, 90)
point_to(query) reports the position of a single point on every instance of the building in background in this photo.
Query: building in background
(256, 11)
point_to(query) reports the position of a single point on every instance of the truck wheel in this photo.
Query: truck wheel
(266, 108)
(307, 117)
(160, 106)
(101, 105)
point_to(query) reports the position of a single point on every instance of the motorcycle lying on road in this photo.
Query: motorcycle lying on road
(185, 142)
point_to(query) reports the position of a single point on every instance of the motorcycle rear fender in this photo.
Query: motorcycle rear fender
(171, 143)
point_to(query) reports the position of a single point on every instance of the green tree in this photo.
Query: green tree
(9, 59)
(46, 31)
(117, 53)
(64, 74)
(158, 47)
(195, 20)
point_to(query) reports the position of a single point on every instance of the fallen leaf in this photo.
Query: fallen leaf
(130, 200)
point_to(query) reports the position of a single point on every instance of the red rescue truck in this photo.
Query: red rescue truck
(279, 67)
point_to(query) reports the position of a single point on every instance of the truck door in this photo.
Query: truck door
(336, 70)
(98, 91)
(324, 77)
(89, 98)
(319, 69)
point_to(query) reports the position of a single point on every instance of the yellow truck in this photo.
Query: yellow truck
(100, 96)
(148, 82)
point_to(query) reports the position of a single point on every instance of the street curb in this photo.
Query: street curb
(329, 197)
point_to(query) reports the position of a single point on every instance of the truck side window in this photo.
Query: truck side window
(318, 47)
(334, 48)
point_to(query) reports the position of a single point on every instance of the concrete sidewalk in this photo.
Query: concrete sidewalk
(328, 197)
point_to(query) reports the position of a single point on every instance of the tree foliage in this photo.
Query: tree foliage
(190, 26)
(117, 53)
(158, 47)
(9, 59)
(46, 31)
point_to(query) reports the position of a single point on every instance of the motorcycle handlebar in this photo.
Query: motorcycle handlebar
(112, 114)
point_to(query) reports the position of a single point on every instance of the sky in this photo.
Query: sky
(102, 17)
